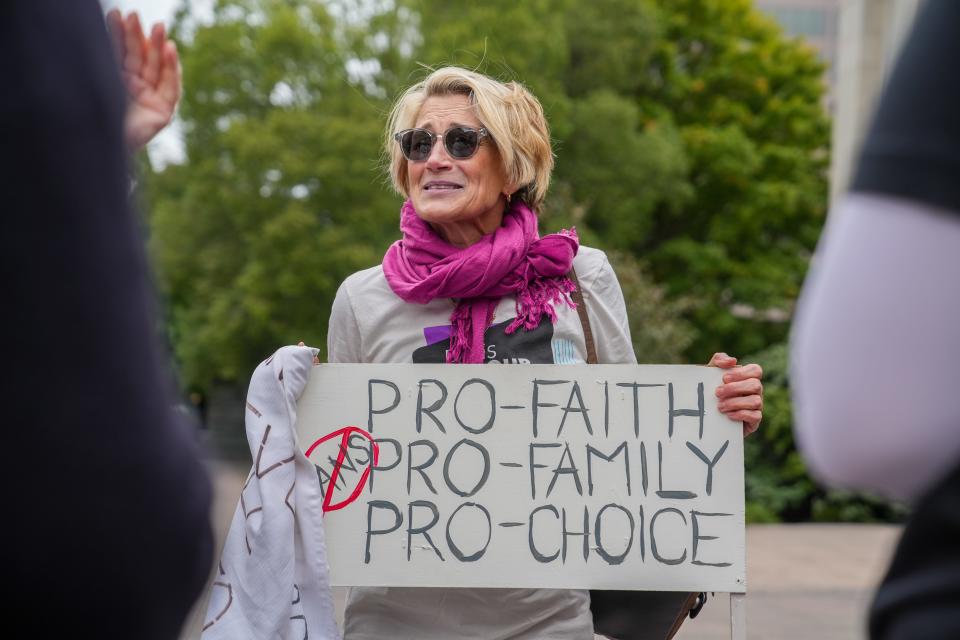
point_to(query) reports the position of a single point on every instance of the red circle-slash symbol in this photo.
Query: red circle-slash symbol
(345, 434)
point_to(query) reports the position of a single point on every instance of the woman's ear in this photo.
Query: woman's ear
(514, 191)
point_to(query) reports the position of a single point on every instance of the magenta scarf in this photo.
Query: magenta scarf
(513, 260)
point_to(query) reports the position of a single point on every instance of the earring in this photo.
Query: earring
(508, 196)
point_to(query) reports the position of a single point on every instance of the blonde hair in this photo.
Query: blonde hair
(510, 113)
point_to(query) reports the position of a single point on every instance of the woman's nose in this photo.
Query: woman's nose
(438, 158)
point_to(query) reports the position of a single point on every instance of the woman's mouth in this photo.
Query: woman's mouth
(441, 185)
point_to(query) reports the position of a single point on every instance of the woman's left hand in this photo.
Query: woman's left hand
(316, 360)
(740, 397)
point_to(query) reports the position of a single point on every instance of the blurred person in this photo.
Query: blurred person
(876, 344)
(108, 532)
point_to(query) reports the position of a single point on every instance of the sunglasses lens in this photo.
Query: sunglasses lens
(416, 144)
(461, 143)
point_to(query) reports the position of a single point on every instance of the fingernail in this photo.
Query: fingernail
(718, 391)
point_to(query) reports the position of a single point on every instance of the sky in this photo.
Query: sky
(150, 10)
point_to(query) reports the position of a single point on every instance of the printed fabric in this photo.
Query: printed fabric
(273, 580)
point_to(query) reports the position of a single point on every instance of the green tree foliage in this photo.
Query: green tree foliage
(281, 196)
(657, 328)
(691, 143)
(747, 103)
(689, 133)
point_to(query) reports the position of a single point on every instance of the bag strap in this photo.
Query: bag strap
(690, 608)
(577, 296)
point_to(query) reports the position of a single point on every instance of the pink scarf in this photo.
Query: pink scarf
(513, 260)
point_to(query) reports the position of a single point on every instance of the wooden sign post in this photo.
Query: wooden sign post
(582, 476)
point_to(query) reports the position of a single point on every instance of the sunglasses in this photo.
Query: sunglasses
(460, 142)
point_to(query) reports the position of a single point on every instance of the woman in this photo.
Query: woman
(471, 281)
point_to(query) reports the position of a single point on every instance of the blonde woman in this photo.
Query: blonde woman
(472, 281)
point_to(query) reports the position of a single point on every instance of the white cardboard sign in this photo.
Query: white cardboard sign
(599, 476)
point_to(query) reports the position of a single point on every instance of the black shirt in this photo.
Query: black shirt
(105, 510)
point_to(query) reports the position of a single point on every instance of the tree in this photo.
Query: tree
(748, 106)
(657, 328)
(281, 195)
(689, 135)
(691, 145)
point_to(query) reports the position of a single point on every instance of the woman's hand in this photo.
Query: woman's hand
(316, 360)
(151, 72)
(741, 394)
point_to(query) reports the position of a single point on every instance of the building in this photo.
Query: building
(870, 34)
(816, 22)
(859, 40)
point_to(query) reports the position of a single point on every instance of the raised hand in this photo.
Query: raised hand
(151, 72)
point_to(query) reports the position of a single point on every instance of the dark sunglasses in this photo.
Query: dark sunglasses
(460, 142)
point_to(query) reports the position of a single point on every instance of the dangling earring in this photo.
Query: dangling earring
(508, 196)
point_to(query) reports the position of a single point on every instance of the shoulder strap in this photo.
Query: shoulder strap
(577, 296)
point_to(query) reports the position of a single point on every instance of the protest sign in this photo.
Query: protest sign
(577, 476)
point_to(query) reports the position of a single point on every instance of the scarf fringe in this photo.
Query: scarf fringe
(538, 298)
(461, 329)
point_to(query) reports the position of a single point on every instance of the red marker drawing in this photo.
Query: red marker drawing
(345, 434)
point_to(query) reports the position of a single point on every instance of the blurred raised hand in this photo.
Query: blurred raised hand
(150, 68)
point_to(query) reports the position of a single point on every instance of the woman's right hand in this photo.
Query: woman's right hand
(151, 72)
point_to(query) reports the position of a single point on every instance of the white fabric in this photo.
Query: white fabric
(876, 348)
(273, 580)
(369, 323)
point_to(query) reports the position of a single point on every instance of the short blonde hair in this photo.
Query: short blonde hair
(512, 115)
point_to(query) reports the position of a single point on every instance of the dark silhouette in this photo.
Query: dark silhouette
(107, 500)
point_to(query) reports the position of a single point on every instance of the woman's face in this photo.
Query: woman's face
(461, 199)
